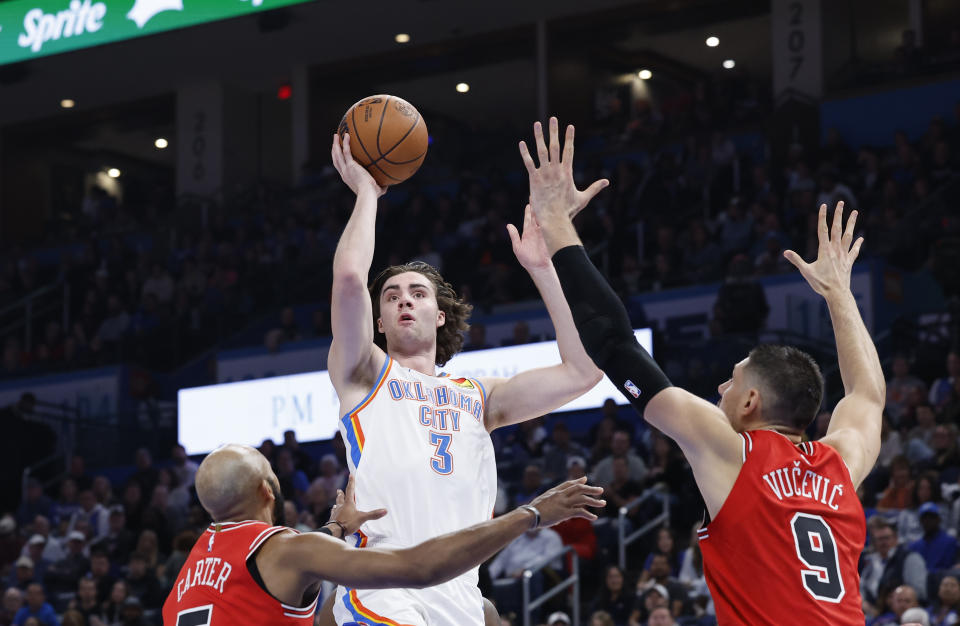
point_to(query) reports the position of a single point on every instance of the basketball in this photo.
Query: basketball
(387, 136)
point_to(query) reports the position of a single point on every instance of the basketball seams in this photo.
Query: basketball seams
(402, 139)
(356, 135)
(382, 171)
(413, 160)
(383, 114)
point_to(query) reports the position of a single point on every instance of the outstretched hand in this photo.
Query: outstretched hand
(568, 500)
(552, 189)
(529, 248)
(345, 510)
(353, 174)
(835, 255)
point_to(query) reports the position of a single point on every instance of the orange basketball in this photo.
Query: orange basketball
(387, 136)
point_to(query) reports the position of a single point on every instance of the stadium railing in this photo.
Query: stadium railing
(19, 317)
(663, 519)
(532, 604)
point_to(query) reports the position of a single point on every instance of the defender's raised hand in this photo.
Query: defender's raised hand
(835, 256)
(353, 174)
(345, 511)
(552, 190)
(529, 247)
(568, 500)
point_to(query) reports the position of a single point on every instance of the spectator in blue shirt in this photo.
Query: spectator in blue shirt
(34, 503)
(936, 547)
(37, 607)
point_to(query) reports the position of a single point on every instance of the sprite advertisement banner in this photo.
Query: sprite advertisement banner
(34, 28)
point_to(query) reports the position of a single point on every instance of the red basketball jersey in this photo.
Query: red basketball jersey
(784, 547)
(215, 588)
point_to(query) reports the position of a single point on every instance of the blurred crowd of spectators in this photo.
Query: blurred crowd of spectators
(89, 550)
(689, 203)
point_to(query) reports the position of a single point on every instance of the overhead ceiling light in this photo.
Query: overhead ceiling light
(113, 172)
(729, 64)
(645, 74)
(402, 38)
(463, 87)
(161, 143)
(67, 103)
(713, 42)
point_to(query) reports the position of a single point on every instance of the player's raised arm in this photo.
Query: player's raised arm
(535, 392)
(315, 556)
(352, 357)
(855, 425)
(701, 429)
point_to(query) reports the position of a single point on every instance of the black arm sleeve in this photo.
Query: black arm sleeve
(605, 329)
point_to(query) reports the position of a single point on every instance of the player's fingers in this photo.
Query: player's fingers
(514, 236)
(568, 147)
(585, 514)
(583, 487)
(527, 159)
(595, 188)
(594, 502)
(578, 486)
(836, 232)
(542, 153)
(848, 230)
(340, 497)
(371, 515)
(528, 222)
(534, 222)
(795, 259)
(855, 251)
(554, 140)
(822, 232)
(335, 153)
(347, 155)
(349, 491)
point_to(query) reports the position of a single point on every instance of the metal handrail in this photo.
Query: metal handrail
(572, 580)
(624, 540)
(28, 304)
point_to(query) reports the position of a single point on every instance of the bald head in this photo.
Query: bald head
(230, 483)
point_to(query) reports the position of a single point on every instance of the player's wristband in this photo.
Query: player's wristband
(536, 514)
(343, 529)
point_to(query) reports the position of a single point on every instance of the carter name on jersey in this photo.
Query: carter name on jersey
(799, 482)
(211, 572)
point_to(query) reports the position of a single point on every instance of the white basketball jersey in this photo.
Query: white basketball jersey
(417, 446)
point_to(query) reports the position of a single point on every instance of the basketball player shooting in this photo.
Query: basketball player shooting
(417, 442)
(785, 528)
(248, 568)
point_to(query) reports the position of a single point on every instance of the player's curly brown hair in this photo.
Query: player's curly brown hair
(450, 335)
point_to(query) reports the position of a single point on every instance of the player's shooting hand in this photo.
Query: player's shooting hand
(530, 248)
(830, 273)
(345, 510)
(353, 174)
(567, 500)
(553, 192)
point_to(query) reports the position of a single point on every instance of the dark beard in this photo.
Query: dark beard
(279, 514)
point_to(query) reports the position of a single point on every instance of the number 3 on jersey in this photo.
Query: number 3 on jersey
(818, 553)
(442, 462)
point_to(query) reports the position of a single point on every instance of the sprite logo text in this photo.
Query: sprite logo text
(79, 18)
